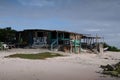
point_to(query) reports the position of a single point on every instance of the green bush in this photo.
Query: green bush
(111, 48)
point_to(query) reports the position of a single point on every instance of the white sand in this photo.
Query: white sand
(82, 66)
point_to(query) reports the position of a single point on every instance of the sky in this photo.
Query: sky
(95, 17)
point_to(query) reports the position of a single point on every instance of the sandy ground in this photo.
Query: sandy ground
(82, 66)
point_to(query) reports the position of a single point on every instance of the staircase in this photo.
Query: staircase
(54, 45)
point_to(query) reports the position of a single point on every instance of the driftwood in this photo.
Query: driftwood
(113, 70)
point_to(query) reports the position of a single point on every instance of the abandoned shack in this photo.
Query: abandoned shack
(52, 39)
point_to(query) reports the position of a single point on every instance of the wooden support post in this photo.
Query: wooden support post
(71, 46)
(36, 34)
(57, 38)
(87, 40)
(80, 46)
(63, 35)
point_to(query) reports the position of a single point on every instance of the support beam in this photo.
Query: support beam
(57, 38)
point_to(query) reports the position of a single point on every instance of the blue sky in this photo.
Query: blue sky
(100, 17)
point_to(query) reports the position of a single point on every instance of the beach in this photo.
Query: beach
(83, 66)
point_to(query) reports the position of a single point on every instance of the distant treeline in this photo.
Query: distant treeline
(111, 48)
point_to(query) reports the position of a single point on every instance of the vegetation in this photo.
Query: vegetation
(113, 70)
(111, 48)
(43, 55)
(7, 35)
(1, 47)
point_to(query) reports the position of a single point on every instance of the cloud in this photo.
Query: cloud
(82, 16)
(117, 34)
(39, 3)
(92, 30)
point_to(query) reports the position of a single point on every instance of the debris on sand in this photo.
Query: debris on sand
(113, 70)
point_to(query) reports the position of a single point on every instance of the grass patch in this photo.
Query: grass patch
(43, 55)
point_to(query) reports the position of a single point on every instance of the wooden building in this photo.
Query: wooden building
(52, 39)
(56, 40)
